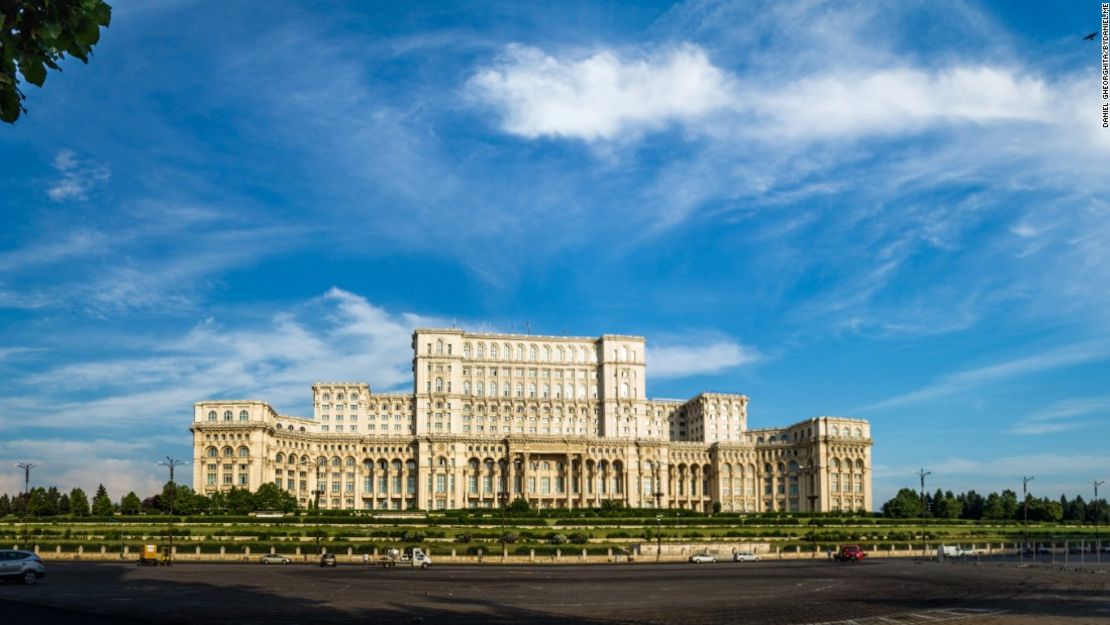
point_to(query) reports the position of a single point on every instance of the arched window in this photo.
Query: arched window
(546, 391)
(279, 458)
(243, 415)
(211, 452)
(562, 354)
(480, 388)
(532, 390)
(339, 396)
(350, 461)
(835, 431)
(546, 353)
(228, 452)
(439, 347)
(327, 396)
(624, 353)
(835, 464)
(212, 415)
(335, 462)
(227, 415)
(531, 352)
(466, 350)
(466, 388)
(859, 433)
(793, 467)
(519, 389)
(292, 458)
(439, 385)
(520, 352)
(624, 389)
(244, 452)
(492, 351)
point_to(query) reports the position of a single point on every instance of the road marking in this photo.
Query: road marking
(923, 616)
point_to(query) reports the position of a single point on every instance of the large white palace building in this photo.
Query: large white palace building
(559, 421)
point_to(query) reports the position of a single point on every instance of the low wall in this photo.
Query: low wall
(670, 552)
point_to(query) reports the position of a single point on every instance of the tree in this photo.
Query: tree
(269, 496)
(78, 503)
(240, 501)
(130, 504)
(948, 506)
(36, 35)
(184, 499)
(101, 504)
(905, 505)
(519, 506)
(5, 505)
(63, 504)
(40, 503)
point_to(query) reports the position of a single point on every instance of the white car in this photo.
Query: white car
(744, 556)
(702, 558)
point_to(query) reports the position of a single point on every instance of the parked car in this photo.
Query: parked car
(702, 558)
(274, 558)
(744, 556)
(850, 553)
(328, 559)
(24, 566)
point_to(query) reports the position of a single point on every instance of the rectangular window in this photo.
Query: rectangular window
(211, 479)
(227, 479)
(335, 487)
(368, 485)
(441, 483)
(545, 486)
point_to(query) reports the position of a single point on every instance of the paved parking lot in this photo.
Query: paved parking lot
(868, 593)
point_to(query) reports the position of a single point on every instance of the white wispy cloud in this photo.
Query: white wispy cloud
(144, 403)
(1061, 416)
(955, 383)
(78, 177)
(338, 335)
(678, 360)
(121, 465)
(602, 95)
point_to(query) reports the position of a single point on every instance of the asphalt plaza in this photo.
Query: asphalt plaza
(878, 592)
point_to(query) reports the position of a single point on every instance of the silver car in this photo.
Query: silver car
(25, 566)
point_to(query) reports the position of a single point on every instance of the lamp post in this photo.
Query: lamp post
(320, 462)
(26, 466)
(922, 474)
(1098, 515)
(658, 537)
(812, 496)
(1025, 514)
(172, 463)
(503, 496)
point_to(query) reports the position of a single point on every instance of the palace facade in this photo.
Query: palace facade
(559, 421)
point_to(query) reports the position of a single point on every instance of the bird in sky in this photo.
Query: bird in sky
(1091, 37)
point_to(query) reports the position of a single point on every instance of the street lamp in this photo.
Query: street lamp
(1098, 515)
(924, 548)
(658, 537)
(503, 497)
(26, 466)
(320, 462)
(172, 463)
(1025, 515)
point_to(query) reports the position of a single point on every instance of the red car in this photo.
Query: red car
(850, 553)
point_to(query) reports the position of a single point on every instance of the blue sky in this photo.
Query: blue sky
(895, 211)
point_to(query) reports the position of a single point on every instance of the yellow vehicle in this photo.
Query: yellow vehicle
(150, 556)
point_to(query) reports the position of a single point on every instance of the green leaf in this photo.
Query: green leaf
(10, 106)
(78, 51)
(33, 70)
(103, 14)
(88, 33)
